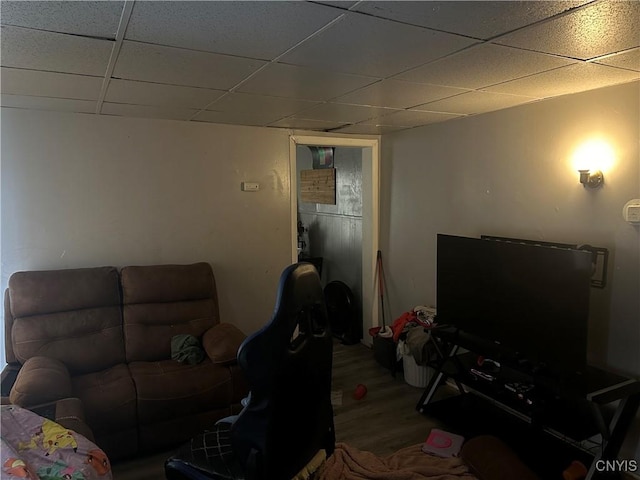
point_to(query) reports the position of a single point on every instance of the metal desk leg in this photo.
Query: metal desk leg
(435, 382)
(618, 428)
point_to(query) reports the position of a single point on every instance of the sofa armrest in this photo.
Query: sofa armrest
(70, 414)
(41, 380)
(221, 342)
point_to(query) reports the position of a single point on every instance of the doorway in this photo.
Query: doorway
(368, 151)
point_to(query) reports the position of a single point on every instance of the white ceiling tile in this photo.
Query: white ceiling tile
(398, 94)
(145, 93)
(251, 29)
(592, 31)
(302, 82)
(363, 129)
(237, 118)
(371, 46)
(56, 52)
(247, 103)
(304, 124)
(45, 103)
(343, 113)
(145, 111)
(474, 102)
(479, 19)
(49, 84)
(571, 79)
(411, 118)
(177, 66)
(629, 60)
(483, 65)
(90, 18)
(53, 51)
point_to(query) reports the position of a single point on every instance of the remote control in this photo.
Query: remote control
(482, 375)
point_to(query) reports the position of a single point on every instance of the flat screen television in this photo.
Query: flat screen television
(532, 300)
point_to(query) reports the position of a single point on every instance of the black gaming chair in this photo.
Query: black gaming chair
(288, 416)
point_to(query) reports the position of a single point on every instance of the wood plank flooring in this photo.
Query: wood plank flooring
(384, 421)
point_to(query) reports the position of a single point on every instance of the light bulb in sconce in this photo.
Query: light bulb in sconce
(591, 179)
(590, 158)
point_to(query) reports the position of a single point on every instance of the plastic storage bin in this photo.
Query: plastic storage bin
(414, 374)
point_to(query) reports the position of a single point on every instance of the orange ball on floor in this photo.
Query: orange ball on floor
(360, 391)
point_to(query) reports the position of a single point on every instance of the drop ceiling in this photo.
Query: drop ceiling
(367, 67)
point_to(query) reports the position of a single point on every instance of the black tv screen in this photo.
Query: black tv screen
(533, 300)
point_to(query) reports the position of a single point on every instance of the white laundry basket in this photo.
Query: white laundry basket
(414, 374)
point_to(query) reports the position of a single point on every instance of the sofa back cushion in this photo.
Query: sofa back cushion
(162, 301)
(71, 315)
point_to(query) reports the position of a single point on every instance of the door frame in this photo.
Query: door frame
(370, 213)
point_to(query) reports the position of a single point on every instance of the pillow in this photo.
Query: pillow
(221, 342)
(41, 380)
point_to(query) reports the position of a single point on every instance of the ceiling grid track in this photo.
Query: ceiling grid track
(271, 62)
(127, 9)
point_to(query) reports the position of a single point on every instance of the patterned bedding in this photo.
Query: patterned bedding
(34, 447)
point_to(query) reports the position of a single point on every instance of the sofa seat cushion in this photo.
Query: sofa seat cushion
(168, 389)
(109, 399)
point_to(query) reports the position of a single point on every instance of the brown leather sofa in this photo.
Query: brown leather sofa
(104, 336)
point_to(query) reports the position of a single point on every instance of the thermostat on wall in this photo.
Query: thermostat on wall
(631, 211)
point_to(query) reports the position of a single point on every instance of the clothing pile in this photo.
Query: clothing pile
(410, 332)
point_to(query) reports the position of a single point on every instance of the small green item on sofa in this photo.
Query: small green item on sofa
(186, 349)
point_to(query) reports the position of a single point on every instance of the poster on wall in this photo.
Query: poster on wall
(322, 157)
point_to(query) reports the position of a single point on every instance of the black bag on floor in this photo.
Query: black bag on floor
(384, 352)
(345, 321)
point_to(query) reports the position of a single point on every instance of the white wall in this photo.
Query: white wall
(509, 173)
(84, 190)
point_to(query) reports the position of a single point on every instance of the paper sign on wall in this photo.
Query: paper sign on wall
(318, 186)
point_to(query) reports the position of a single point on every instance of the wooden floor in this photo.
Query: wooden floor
(384, 421)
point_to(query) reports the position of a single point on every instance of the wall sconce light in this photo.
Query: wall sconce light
(591, 179)
(590, 159)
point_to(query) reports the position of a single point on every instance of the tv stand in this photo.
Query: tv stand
(570, 408)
